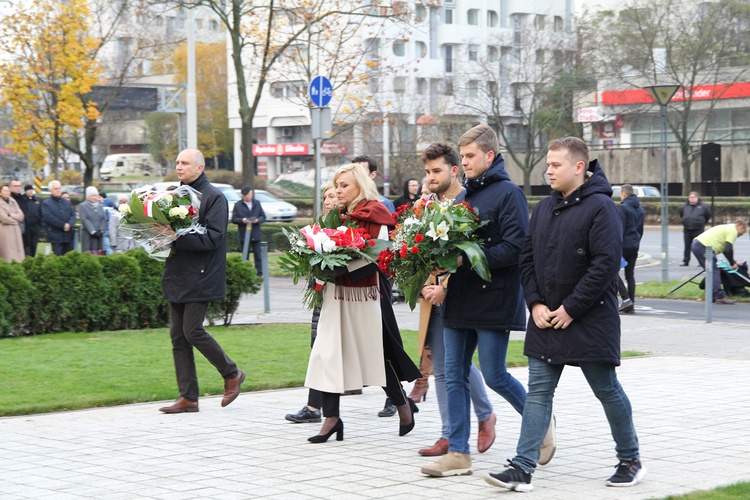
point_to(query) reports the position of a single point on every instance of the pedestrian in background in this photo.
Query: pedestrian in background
(694, 215)
(93, 222)
(250, 211)
(59, 217)
(11, 217)
(32, 212)
(721, 239)
(631, 215)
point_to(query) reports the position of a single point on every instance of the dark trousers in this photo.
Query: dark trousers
(257, 259)
(700, 253)
(628, 293)
(62, 248)
(31, 240)
(186, 331)
(689, 235)
(314, 396)
(393, 390)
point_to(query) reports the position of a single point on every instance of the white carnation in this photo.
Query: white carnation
(180, 212)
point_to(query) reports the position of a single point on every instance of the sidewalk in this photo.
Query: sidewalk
(692, 414)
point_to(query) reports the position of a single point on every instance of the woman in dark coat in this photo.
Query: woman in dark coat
(358, 341)
(94, 222)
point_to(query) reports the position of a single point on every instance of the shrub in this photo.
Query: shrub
(121, 275)
(16, 294)
(152, 309)
(241, 279)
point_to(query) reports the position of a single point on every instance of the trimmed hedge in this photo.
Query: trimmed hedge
(84, 293)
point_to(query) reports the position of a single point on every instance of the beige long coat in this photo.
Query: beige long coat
(11, 239)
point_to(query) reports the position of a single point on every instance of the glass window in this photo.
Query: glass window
(741, 127)
(492, 88)
(421, 49)
(559, 23)
(399, 48)
(473, 88)
(540, 56)
(399, 84)
(473, 17)
(421, 86)
(448, 16)
(420, 13)
(539, 21)
(448, 56)
(491, 18)
(493, 53)
(473, 53)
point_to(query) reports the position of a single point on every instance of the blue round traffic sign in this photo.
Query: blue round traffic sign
(321, 91)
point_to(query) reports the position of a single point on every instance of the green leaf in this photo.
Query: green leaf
(477, 258)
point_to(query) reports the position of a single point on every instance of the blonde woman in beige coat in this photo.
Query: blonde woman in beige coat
(11, 216)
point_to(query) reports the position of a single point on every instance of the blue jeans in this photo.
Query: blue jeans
(460, 344)
(602, 378)
(482, 404)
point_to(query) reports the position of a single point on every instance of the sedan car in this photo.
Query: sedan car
(640, 191)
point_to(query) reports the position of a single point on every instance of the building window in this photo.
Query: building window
(473, 17)
(473, 88)
(372, 84)
(199, 24)
(493, 53)
(492, 89)
(446, 87)
(288, 90)
(399, 48)
(372, 49)
(399, 84)
(448, 16)
(540, 56)
(448, 56)
(539, 22)
(473, 53)
(421, 86)
(517, 98)
(559, 24)
(421, 49)
(213, 25)
(420, 13)
(491, 18)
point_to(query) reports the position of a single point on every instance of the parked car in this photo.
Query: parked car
(640, 191)
(73, 189)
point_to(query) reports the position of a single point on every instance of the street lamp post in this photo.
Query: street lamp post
(663, 94)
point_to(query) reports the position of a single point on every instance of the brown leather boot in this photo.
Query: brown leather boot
(421, 385)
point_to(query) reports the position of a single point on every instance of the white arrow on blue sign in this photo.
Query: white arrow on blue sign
(321, 91)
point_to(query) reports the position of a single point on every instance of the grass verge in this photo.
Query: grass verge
(739, 491)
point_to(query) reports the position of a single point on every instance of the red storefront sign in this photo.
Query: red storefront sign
(699, 93)
(281, 149)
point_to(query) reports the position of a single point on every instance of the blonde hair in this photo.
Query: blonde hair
(367, 189)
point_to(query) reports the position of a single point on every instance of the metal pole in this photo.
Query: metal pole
(318, 187)
(709, 283)
(266, 281)
(246, 241)
(664, 200)
(191, 100)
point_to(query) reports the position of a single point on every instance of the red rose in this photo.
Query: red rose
(403, 251)
(419, 238)
(371, 243)
(414, 249)
(191, 211)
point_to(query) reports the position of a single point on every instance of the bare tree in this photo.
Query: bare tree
(262, 33)
(673, 42)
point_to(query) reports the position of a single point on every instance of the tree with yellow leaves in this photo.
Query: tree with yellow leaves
(47, 75)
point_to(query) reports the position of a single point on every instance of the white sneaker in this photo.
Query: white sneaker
(452, 464)
(549, 446)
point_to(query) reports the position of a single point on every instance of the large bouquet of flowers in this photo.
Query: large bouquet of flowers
(148, 209)
(432, 234)
(320, 249)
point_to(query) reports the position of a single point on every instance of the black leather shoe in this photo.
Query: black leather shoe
(388, 410)
(304, 416)
(684, 264)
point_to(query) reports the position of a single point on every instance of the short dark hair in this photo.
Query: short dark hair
(371, 163)
(627, 190)
(245, 190)
(577, 149)
(441, 150)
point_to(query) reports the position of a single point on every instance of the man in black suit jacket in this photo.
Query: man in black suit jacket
(249, 211)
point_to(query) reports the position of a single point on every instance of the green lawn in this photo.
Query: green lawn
(81, 370)
(659, 290)
(739, 491)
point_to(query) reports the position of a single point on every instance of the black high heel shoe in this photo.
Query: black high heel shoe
(338, 428)
(403, 430)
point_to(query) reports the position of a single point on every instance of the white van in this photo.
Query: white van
(128, 164)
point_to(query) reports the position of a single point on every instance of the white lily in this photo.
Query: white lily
(441, 231)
